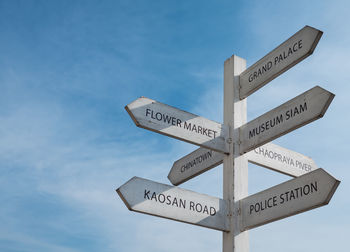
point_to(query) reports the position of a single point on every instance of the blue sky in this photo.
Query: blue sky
(68, 68)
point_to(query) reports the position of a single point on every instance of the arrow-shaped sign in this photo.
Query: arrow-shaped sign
(282, 160)
(289, 116)
(285, 56)
(170, 121)
(170, 202)
(269, 155)
(193, 164)
(295, 196)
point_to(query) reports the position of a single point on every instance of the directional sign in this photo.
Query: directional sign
(149, 197)
(281, 160)
(291, 115)
(269, 155)
(285, 56)
(295, 196)
(194, 164)
(170, 121)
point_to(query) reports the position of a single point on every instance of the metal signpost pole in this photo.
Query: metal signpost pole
(235, 166)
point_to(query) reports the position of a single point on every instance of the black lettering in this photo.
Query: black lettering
(257, 205)
(287, 115)
(303, 107)
(159, 199)
(291, 162)
(192, 205)
(212, 211)
(183, 203)
(261, 206)
(146, 194)
(251, 133)
(269, 65)
(292, 195)
(187, 126)
(268, 203)
(209, 133)
(279, 119)
(314, 187)
(173, 121)
(167, 119)
(250, 79)
(152, 115)
(290, 51)
(205, 210)
(175, 202)
(200, 130)
(168, 200)
(199, 207)
(282, 199)
(306, 192)
(287, 193)
(262, 128)
(182, 168)
(194, 128)
(280, 58)
(205, 133)
(251, 208)
(274, 200)
(154, 196)
(158, 116)
(284, 55)
(295, 47)
(178, 123)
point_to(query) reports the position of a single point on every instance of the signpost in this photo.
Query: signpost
(285, 56)
(149, 197)
(295, 196)
(234, 143)
(291, 115)
(173, 122)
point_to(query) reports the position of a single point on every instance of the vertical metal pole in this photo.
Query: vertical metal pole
(235, 171)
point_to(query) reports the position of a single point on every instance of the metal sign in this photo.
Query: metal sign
(282, 160)
(285, 56)
(170, 121)
(170, 202)
(289, 116)
(295, 196)
(193, 164)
